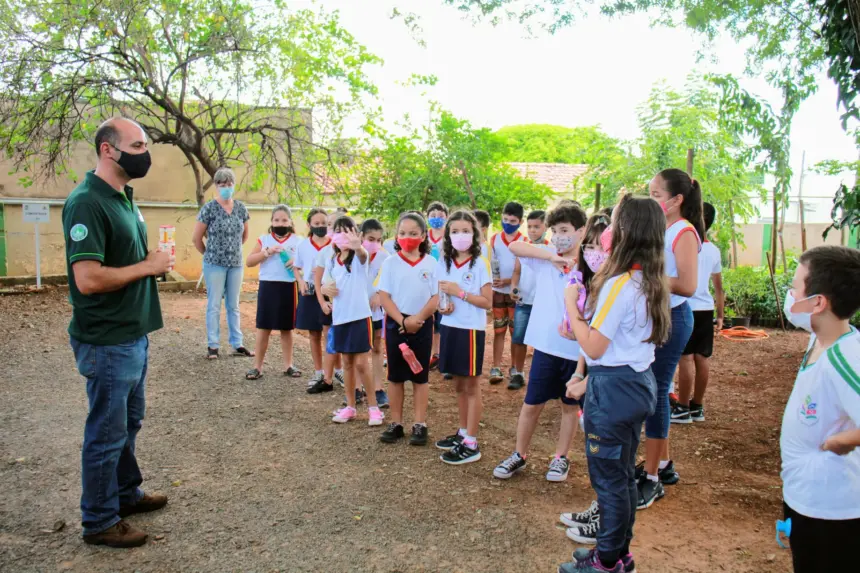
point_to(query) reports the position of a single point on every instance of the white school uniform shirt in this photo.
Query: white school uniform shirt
(388, 245)
(621, 315)
(485, 252)
(501, 252)
(470, 278)
(374, 269)
(548, 311)
(673, 233)
(409, 284)
(351, 302)
(825, 400)
(273, 269)
(322, 259)
(527, 276)
(710, 263)
(306, 257)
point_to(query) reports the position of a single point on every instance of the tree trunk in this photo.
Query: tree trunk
(468, 185)
(597, 197)
(198, 180)
(773, 239)
(734, 236)
(690, 155)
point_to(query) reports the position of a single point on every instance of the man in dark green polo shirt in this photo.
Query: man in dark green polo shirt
(114, 307)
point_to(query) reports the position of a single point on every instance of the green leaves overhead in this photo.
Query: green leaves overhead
(261, 87)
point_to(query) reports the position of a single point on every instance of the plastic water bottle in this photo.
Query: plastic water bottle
(444, 300)
(410, 358)
(285, 258)
(496, 267)
(576, 279)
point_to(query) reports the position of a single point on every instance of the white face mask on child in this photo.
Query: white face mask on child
(799, 319)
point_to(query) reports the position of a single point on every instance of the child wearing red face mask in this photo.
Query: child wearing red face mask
(408, 293)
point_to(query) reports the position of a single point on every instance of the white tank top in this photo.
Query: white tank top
(273, 269)
(673, 233)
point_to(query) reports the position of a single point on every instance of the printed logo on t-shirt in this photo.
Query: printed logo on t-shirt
(425, 276)
(808, 413)
(468, 279)
(79, 232)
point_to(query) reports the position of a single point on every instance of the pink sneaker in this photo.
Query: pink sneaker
(375, 417)
(343, 415)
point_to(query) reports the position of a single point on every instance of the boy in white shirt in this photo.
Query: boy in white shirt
(821, 424)
(502, 266)
(693, 368)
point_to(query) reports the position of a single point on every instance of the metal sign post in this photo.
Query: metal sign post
(37, 213)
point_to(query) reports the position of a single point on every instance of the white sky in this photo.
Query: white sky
(595, 72)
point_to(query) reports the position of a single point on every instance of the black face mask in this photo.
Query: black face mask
(135, 165)
(282, 231)
(319, 231)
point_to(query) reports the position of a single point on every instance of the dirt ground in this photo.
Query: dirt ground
(260, 480)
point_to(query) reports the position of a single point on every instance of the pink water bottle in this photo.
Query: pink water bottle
(576, 278)
(410, 358)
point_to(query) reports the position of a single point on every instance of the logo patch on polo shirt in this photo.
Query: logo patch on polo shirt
(808, 413)
(79, 232)
(468, 279)
(425, 276)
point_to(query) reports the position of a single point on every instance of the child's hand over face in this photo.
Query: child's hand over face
(354, 239)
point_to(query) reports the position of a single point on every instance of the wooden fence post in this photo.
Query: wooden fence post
(734, 237)
(597, 197)
(690, 155)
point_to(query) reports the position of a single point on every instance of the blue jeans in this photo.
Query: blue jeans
(617, 401)
(522, 312)
(116, 378)
(226, 283)
(666, 360)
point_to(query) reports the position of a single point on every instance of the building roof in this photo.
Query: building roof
(557, 176)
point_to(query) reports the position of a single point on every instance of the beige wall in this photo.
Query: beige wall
(753, 236)
(20, 241)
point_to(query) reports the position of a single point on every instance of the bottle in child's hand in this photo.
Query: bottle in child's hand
(574, 279)
(410, 358)
(443, 300)
(496, 268)
(285, 258)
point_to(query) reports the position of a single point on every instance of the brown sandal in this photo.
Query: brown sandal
(242, 351)
(293, 372)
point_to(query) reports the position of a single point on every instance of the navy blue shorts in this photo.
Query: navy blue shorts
(548, 377)
(421, 344)
(309, 314)
(522, 312)
(461, 351)
(353, 337)
(377, 325)
(437, 322)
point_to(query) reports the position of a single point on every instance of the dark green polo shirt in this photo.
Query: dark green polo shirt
(102, 224)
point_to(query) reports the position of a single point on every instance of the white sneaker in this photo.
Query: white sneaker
(558, 469)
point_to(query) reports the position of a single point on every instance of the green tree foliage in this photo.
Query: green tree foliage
(554, 143)
(228, 82)
(448, 161)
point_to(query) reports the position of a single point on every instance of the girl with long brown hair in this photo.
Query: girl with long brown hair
(628, 314)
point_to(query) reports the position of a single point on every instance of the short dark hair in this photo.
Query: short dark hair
(437, 206)
(483, 217)
(514, 209)
(371, 225)
(538, 214)
(567, 213)
(834, 273)
(709, 214)
(107, 133)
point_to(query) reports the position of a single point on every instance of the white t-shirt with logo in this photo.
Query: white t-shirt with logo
(374, 269)
(673, 234)
(710, 263)
(501, 251)
(527, 277)
(388, 245)
(306, 256)
(410, 284)
(825, 400)
(548, 311)
(471, 278)
(273, 269)
(351, 302)
(621, 315)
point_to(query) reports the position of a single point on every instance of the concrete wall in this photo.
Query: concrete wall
(757, 237)
(20, 239)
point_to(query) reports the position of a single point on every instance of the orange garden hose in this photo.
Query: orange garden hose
(739, 333)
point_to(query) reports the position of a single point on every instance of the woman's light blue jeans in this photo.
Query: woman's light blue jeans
(223, 283)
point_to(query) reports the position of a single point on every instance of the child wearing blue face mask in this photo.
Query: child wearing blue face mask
(437, 216)
(821, 426)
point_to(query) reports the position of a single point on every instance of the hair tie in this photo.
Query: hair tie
(692, 181)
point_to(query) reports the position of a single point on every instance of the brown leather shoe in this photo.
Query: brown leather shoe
(149, 502)
(123, 534)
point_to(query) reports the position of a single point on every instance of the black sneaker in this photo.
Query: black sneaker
(514, 463)
(461, 454)
(668, 475)
(419, 435)
(681, 415)
(583, 517)
(517, 382)
(585, 534)
(393, 433)
(649, 492)
(320, 386)
(359, 396)
(448, 376)
(558, 469)
(450, 442)
(697, 412)
(338, 377)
